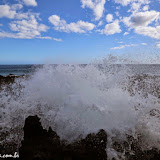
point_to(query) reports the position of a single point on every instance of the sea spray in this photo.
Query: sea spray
(76, 100)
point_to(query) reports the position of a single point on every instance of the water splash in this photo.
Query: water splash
(76, 100)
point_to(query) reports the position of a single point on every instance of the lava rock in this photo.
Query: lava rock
(40, 144)
(132, 149)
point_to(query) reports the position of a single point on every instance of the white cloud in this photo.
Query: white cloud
(146, 8)
(143, 44)
(135, 7)
(16, 6)
(112, 28)
(58, 39)
(109, 18)
(79, 27)
(13, 12)
(7, 11)
(30, 2)
(140, 22)
(123, 2)
(158, 45)
(7, 35)
(127, 2)
(153, 32)
(141, 19)
(100, 23)
(117, 14)
(115, 48)
(96, 5)
(51, 38)
(28, 28)
(123, 46)
(25, 29)
(1, 24)
(144, 18)
(22, 15)
(55, 20)
(126, 33)
(121, 42)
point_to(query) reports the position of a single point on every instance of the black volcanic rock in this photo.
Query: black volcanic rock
(132, 149)
(39, 144)
(9, 80)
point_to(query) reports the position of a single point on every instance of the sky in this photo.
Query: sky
(77, 31)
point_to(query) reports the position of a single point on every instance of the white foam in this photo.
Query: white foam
(76, 100)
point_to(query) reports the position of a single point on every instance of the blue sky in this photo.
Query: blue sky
(77, 31)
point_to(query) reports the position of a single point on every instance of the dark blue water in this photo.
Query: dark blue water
(28, 69)
(17, 69)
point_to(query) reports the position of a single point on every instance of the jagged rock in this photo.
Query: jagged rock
(8, 80)
(144, 84)
(5, 80)
(39, 144)
(131, 149)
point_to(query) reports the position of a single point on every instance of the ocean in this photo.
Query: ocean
(29, 69)
(16, 69)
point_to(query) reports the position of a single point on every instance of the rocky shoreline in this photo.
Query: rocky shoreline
(39, 143)
(145, 84)
(9, 79)
(42, 144)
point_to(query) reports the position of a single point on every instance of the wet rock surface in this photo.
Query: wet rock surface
(9, 80)
(132, 149)
(40, 144)
(144, 84)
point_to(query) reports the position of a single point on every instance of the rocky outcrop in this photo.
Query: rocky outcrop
(5, 80)
(40, 144)
(9, 80)
(132, 149)
(144, 84)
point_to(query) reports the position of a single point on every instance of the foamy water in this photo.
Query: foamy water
(76, 100)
